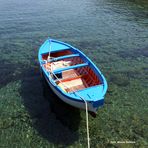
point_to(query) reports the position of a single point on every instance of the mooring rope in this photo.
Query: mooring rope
(49, 49)
(86, 108)
(86, 105)
(87, 122)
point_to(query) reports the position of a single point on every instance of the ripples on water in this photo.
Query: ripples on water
(114, 34)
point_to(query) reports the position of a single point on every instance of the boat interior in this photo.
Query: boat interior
(69, 71)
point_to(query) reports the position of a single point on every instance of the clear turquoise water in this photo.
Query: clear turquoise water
(114, 34)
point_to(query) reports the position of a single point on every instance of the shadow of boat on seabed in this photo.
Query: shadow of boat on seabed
(52, 118)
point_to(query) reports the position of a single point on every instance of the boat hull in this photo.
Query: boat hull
(88, 78)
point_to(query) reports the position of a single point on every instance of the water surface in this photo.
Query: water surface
(114, 34)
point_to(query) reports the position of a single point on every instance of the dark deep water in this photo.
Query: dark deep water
(114, 34)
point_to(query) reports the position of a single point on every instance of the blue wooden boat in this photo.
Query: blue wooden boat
(71, 75)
